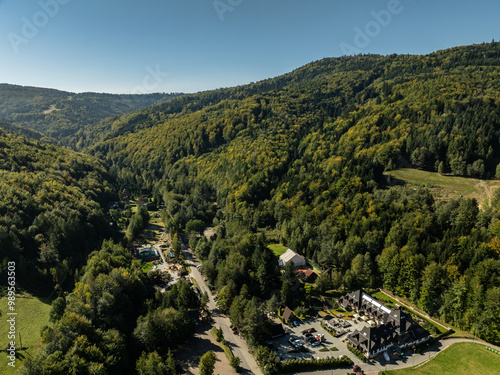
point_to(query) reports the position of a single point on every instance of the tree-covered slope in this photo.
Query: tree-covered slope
(431, 110)
(304, 154)
(59, 114)
(50, 210)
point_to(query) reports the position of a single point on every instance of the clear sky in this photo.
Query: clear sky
(125, 46)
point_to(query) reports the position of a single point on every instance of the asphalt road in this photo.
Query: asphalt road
(235, 342)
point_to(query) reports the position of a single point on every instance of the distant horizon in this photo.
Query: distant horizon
(240, 84)
(127, 47)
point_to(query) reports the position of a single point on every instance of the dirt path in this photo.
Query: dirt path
(487, 192)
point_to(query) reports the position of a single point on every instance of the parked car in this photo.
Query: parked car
(356, 368)
(386, 356)
(295, 323)
(311, 330)
(316, 343)
(308, 335)
(235, 331)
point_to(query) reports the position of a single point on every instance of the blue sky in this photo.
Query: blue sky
(124, 46)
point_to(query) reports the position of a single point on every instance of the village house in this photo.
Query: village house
(306, 274)
(291, 256)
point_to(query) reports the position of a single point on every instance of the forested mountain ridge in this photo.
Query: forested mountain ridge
(51, 210)
(358, 107)
(304, 153)
(60, 114)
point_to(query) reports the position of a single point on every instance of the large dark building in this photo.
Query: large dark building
(393, 327)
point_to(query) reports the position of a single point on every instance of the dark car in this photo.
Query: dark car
(312, 330)
(356, 368)
(308, 334)
(305, 331)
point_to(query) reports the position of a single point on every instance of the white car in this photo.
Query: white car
(386, 356)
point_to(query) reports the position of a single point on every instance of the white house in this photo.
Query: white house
(291, 256)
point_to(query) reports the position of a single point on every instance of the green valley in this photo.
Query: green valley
(312, 160)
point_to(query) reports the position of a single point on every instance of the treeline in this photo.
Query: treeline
(113, 322)
(51, 214)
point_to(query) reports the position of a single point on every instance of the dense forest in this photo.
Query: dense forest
(51, 209)
(298, 159)
(60, 114)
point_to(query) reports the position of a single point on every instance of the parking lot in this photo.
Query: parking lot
(304, 349)
(295, 344)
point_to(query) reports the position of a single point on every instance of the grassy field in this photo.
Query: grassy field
(447, 187)
(32, 315)
(459, 359)
(277, 249)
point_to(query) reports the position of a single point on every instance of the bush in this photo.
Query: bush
(217, 333)
(235, 363)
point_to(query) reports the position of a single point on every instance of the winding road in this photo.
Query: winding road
(235, 342)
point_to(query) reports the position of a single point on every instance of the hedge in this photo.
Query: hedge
(298, 365)
(356, 352)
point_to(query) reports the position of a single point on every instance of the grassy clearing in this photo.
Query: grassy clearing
(146, 267)
(459, 359)
(32, 316)
(277, 249)
(447, 187)
(385, 298)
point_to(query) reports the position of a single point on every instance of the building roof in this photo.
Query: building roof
(307, 273)
(291, 255)
(397, 326)
(287, 313)
(277, 330)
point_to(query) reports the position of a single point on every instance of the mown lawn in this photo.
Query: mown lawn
(277, 249)
(32, 316)
(459, 359)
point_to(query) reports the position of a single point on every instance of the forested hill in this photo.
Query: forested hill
(59, 114)
(304, 155)
(51, 210)
(437, 111)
